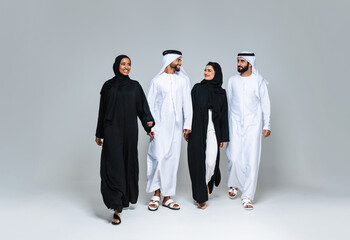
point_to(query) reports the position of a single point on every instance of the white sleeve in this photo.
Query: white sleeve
(265, 105)
(229, 95)
(187, 105)
(151, 98)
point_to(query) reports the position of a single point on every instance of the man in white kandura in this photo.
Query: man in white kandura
(249, 118)
(169, 99)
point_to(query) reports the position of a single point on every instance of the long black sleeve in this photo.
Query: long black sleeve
(143, 111)
(101, 115)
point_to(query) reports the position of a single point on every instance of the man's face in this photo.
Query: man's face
(176, 64)
(242, 65)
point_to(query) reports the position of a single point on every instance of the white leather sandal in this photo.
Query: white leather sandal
(247, 204)
(232, 191)
(170, 204)
(154, 201)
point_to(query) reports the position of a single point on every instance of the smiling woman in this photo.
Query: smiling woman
(209, 133)
(117, 125)
(125, 66)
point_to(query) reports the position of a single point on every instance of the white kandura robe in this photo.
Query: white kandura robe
(248, 104)
(169, 99)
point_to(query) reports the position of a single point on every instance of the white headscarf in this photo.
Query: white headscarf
(251, 60)
(169, 58)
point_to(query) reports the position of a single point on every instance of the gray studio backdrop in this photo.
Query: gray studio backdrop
(55, 56)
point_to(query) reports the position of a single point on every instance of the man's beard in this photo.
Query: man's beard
(175, 67)
(244, 69)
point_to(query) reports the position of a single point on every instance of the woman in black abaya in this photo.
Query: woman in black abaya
(122, 101)
(209, 133)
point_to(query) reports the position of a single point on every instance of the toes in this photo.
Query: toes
(115, 220)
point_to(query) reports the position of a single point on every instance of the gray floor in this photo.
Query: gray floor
(278, 214)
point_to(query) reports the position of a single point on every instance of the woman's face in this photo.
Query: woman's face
(125, 66)
(209, 72)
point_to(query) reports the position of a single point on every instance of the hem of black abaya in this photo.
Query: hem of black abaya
(116, 208)
(201, 200)
(120, 208)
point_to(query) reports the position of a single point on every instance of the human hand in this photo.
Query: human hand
(266, 133)
(222, 145)
(98, 141)
(186, 134)
(151, 134)
(150, 124)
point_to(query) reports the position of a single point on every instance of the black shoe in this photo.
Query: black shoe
(115, 216)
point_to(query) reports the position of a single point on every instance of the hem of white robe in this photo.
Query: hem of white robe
(247, 197)
(163, 193)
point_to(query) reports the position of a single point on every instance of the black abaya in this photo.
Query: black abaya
(122, 101)
(206, 95)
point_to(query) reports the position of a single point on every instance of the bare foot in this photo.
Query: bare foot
(115, 220)
(233, 192)
(166, 199)
(156, 193)
(153, 205)
(202, 205)
(247, 204)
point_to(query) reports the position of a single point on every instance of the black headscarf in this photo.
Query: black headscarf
(118, 80)
(214, 86)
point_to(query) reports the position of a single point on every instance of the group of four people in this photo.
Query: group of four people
(207, 116)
